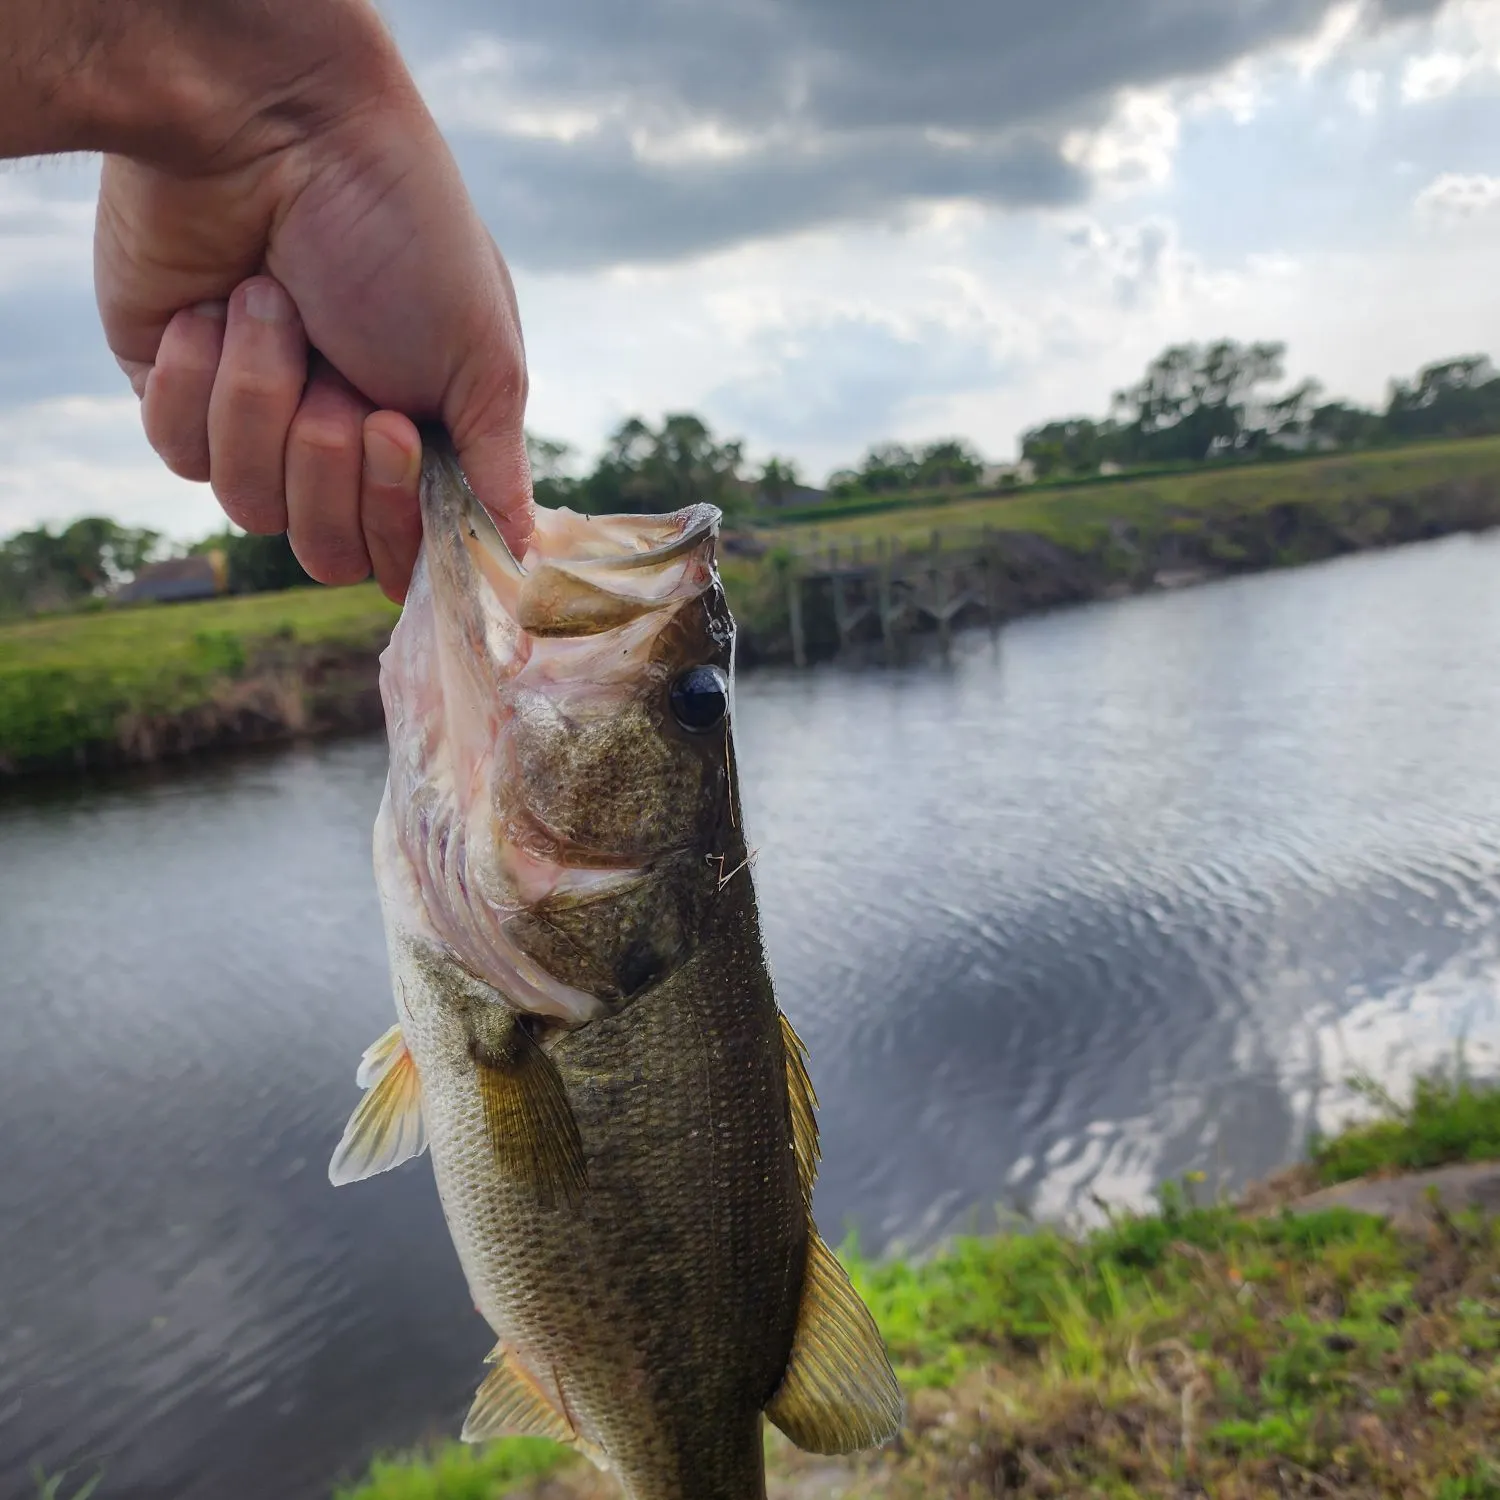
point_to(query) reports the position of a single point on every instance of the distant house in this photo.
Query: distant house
(1304, 442)
(793, 497)
(178, 578)
(1022, 472)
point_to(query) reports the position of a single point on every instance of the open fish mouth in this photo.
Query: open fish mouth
(546, 754)
(581, 574)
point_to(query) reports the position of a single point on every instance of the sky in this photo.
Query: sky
(828, 223)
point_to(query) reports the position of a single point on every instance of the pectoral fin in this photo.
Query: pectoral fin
(531, 1125)
(839, 1393)
(804, 1103)
(386, 1129)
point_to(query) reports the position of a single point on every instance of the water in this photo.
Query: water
(1125, 893)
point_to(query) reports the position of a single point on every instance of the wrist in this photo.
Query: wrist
(208, 85)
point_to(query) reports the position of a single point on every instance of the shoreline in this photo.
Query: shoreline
(1333, 1340)
(145, 685)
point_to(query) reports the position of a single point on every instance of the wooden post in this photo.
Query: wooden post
(794, 613)
(887, 610)
(840, 610)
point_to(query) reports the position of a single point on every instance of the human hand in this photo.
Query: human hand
(301, 278)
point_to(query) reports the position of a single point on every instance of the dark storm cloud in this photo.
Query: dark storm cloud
(864, 105)
(561, 207)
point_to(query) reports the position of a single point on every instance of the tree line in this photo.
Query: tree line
(1195, 403)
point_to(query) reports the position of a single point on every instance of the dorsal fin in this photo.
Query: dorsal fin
(804, 1104)
(839, 1393)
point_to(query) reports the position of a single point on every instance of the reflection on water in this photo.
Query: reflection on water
(1127, 892)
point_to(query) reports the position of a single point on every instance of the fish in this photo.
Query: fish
(588, 1044)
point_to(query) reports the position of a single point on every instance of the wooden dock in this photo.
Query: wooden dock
(884, 590)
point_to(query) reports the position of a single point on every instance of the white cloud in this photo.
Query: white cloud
(86, 455)
(1331, 40)
(1363, 90)
(1435, 74)
(1135, 147)
(1457, 196)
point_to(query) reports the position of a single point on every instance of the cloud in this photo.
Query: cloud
(1363, 90)
(826, 222)
(1435, 74)
(599, 135)
(1455, 197)
(85, 455)
(853, 380)
(563, 209)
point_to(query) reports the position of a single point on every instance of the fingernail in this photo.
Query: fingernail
(389, 465)
(217, 309)
(267, 303)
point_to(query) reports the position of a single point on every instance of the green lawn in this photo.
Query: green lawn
(67, 680)
(1080, 516)
(1194, 1350)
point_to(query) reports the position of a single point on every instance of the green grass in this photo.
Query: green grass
(1082, 516)
(50, 1486)
(453, 1471)
(1448, 1119)
(67, 681)
(1193, 1350)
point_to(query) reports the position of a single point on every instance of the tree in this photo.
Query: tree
(551, 483)
(1193, 399)
(1284, 420)
(887, 466)
(1074, 445)
(1453, 398)
(947, 462)
(664, 469)
(1341, 425)
(778, 478)
(44, 569)
(256, 564)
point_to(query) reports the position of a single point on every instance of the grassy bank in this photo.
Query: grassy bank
(139, 684)
(1198, 1350)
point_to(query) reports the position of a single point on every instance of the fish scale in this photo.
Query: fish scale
(681, 1104)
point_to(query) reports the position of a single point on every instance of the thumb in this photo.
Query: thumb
(491, 443)
(494, 461)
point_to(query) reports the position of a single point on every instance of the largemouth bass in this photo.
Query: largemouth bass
(620, 1118)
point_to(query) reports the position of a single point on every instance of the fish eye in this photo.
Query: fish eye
(700, 698)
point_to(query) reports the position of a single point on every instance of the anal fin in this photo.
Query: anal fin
(532, 1130)
(511, 1404)
(386, 1127)
(839, 1393)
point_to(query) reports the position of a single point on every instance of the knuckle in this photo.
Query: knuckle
(323, 436)
(185, 462)
(332, 559)
(260, 390)
(258, 509)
